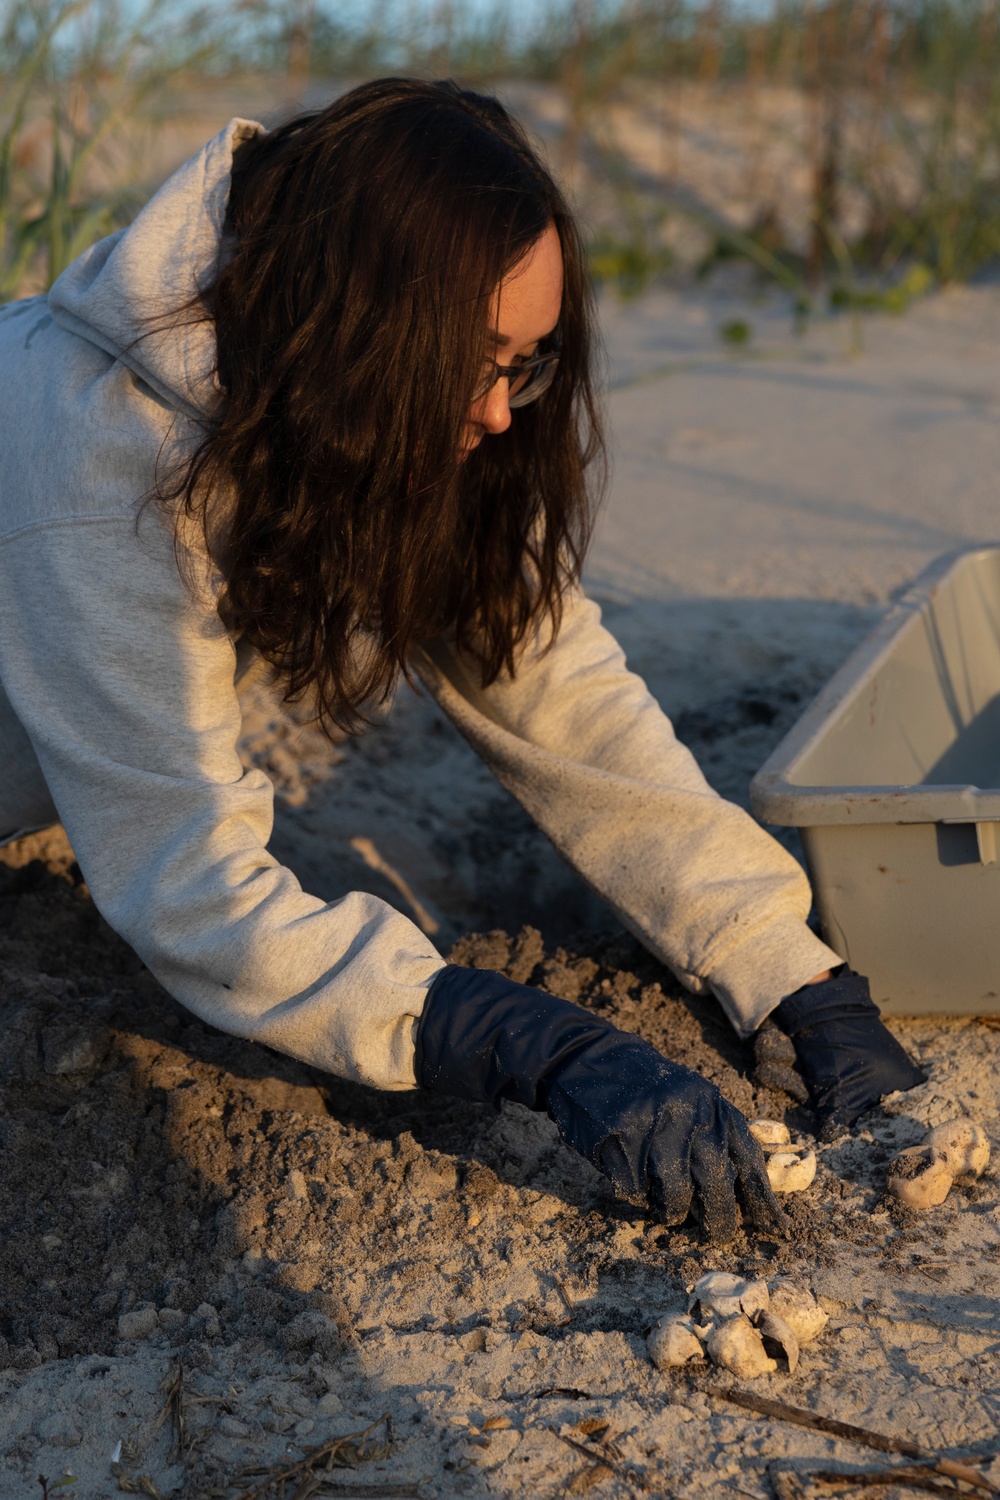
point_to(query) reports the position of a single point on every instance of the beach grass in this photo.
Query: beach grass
(77, 76)
(890, 117)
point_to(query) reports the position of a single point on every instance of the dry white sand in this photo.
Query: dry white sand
(766, 504)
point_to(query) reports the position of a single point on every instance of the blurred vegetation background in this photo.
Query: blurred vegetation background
(848, 150)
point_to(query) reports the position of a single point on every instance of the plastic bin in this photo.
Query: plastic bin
(893, 777)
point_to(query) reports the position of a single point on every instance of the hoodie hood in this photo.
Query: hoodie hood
(117, 293)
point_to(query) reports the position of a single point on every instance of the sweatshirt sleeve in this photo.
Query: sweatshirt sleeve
(585, 748)
(124, 681)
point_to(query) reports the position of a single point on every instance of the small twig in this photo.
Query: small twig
(564, 1295)
(173, 1410)
(569, 1392)
(780, 1412)
(598, 1455)
(801, 1417)
(136, 1484)
(304, 1468)
(914, 1479)
(309, 1487)
(590, 1453)
(370, 1491)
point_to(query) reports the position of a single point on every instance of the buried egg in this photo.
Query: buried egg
(720, 1294)
(770, 1134)
(799, 1309)
(737, 1346)
(787, 1172)
(674, 1341)
(964, 1146)
(920, 1177)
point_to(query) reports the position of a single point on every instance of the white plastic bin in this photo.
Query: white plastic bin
(892, 776)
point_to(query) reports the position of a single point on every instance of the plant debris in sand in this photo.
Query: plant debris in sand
(227, 1276)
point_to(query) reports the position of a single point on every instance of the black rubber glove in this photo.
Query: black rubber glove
(843, 1053)
(658, 1131)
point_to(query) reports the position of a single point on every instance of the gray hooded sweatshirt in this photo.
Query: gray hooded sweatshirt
(119, 714)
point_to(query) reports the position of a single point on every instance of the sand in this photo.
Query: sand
(311, 1256)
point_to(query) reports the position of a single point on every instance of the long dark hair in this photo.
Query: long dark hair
(366, 243)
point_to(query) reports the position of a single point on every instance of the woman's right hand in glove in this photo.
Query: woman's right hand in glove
(658, 1131)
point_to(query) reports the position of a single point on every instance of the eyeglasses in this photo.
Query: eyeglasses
(527, 381)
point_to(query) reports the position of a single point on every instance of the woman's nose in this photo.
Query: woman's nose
(495, 410)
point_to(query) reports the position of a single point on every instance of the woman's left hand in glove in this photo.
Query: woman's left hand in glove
(827, 1043)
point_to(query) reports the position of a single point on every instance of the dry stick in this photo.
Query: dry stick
(569, 1392)
(803, 1418)
(173, 1409)
(139, 1484)
(361, 1491)
(602, 1459)
(914, 1479)
(294, 1471)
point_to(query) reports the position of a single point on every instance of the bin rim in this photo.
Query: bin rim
(776, 799)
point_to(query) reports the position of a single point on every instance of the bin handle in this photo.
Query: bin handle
(987, 838)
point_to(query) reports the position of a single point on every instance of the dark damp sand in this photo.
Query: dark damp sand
(317, 1254)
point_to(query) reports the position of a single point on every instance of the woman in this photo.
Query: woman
(328, 402)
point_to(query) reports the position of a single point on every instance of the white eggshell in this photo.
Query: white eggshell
(754, 1298)
(920, 1177)
(717, 1294)
(799, 1309)
(774, 1330)
(964, 1145)
(771, 1134)
(720, 1294)
(674, 1342)
(737, 1346)
(788, 1172)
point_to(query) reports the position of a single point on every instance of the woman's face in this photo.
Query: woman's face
(526, 311)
